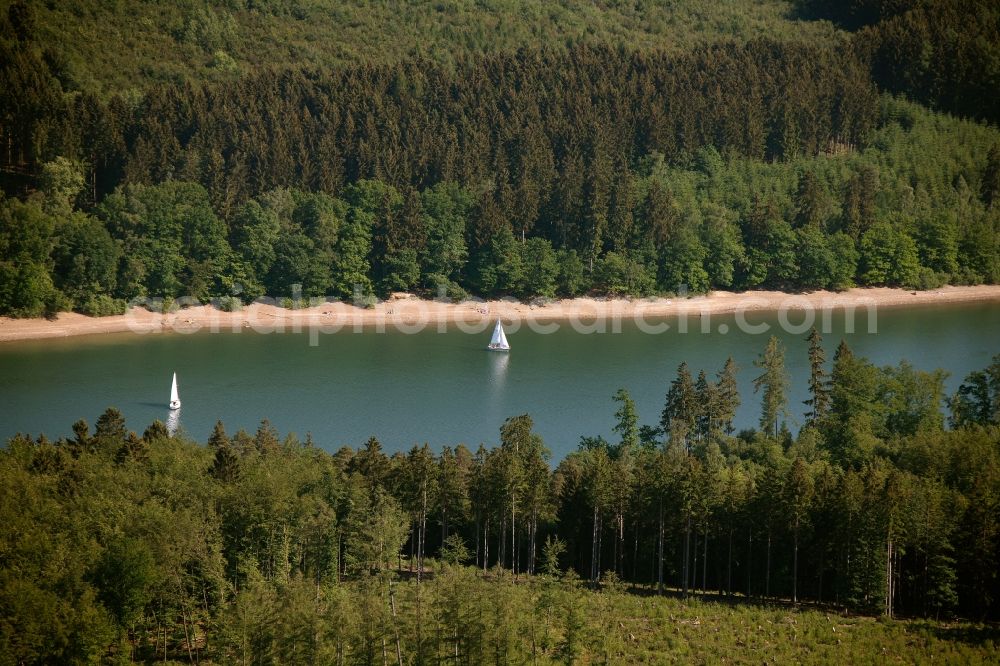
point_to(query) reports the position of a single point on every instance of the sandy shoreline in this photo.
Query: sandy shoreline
(408, 313)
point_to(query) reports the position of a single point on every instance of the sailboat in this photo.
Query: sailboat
(499, 340)
(175, 401)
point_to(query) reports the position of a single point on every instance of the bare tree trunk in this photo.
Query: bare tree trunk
(486, 544)
(532, 544)
(621, 540)
(444, 525)
(659, 563)
(600, 545)
(513, 531)
(635, 553)
(413, 544)
(395, 627)
(423, 535)
(888, 576)
(795, 566)
(694, 563)
(187, 638)
(687, 555)
(822, 566)
(767, 573)
(704, 567)
(729, 565)
(502, 540)
(593, 551)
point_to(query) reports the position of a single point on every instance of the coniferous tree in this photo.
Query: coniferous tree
(728, 395)
(991, 178)
(774, 381)
(155, 432)
(627, 420)
(812, 204)
(819, 391)
(798, 491)
(708, 401)
(680, 411)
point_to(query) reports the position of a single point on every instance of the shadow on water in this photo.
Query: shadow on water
(150, 404)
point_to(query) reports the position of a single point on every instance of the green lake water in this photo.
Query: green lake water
(441, 388)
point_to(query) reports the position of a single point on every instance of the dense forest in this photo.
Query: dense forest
(556, 169)
(265, 548)
(227, 150)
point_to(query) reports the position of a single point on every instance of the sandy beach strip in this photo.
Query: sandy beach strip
(408, 313)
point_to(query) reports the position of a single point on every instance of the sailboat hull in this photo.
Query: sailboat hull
(498, 348)
(175, 404)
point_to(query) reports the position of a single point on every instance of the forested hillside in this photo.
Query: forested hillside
(267, 548)
(623, 162)
(123, 47)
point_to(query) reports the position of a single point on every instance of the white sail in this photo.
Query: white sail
(175, 400)
(499, 340)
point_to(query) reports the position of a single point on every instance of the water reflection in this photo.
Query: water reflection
(173, 421)
(498, 367)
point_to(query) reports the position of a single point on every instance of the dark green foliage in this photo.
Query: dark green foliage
(26, 287)
(774, 380)
(991, 178)
(85, 260)
(171, 238)
(446, 178)
(109, 431)
(681, 408)
(628, 420)
(155, 432)
(978, 398)
(541, 268)
(943, 53)
(123, 576)
(819, 389)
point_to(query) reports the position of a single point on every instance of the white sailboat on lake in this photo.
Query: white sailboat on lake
(175, 400)
(499, 340)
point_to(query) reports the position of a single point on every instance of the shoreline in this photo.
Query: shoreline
(409, 313)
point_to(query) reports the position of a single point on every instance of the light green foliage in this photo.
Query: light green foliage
(816, 260)
(85, 259)
(172, 235)
(61, 181)
(621, 275)
(683, 263)
(554, 549)
(454, 551)
(446, 208)
(254, 231)
(572, 279)
(26, 287)
(725, 251)
(502, 269)
(541, 268)
(888, 256)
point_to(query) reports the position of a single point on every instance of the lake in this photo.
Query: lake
(441, 388)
